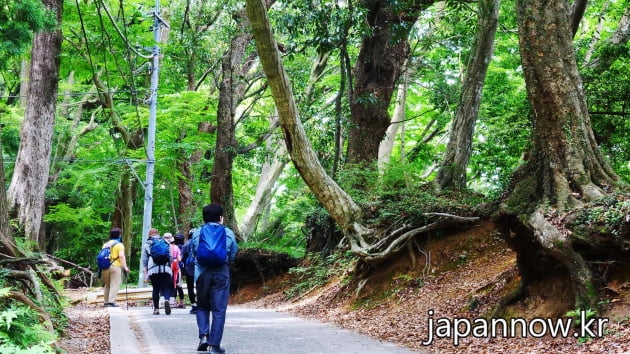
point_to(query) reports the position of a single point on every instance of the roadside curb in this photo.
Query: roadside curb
(122, 338)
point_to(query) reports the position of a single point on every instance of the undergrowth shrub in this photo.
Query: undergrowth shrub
(318, 272)
(21, 330)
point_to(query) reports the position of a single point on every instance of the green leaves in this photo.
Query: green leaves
(18, 21)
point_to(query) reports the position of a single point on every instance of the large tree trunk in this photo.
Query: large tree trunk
(271, 170)
(341, 207)
(123, 211)
(30, 176)
(277, 158)
(186, 201)
(387, 145)
(566, 168)
(381, 58)
(452, 170)
(230, 95)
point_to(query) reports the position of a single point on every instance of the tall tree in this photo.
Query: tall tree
(383, 52)
(231, 91)
(398, 119)
(341, 207)
(30, 176)
(338, 203)
(565, 168)
(452, 170)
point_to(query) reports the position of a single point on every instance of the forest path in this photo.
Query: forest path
(248, 330)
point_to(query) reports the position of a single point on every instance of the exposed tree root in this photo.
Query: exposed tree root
(387, 246)
(508, 299)
(43, 315)
(572, 246)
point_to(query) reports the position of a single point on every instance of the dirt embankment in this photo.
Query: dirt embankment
(460, 275)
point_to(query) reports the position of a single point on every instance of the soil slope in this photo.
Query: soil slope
(460, 275)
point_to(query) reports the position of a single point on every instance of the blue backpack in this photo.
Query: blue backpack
(212, 250)
(189, 259)
(103, 258)
(160, 251)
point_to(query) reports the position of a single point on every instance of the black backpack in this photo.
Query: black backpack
(160, 251)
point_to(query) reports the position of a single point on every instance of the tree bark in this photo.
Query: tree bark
(378, 67)
(271, 170)
(387, 145)
(231, 92)
(123, 211)
(452, 171)
(566, 167)
(186, 201)
(337, 202)
(32, 165)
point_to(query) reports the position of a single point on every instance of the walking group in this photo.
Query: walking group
(203, 261)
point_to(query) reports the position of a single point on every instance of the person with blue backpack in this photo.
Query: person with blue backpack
(157, 269)
(188, 270)
(214, 248)
(112, 262)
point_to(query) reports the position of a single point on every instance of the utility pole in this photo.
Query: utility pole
(148, 185)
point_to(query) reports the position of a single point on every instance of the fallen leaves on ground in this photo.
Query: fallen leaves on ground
(88, 330)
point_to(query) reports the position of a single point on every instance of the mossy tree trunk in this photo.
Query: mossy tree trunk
(32, 164)
(377, 69)
(452, 171)
(566, 168)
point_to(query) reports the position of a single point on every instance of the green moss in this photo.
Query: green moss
(520, 198)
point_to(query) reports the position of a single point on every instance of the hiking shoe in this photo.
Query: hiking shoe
(156, 312)
(215, 349)
(203, 344)
(167, 307)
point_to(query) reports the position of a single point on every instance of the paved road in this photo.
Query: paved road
(250, 330)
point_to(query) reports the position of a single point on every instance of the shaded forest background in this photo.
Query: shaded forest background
(349, 128)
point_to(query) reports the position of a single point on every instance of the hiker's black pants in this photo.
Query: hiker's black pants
(190, 283)
(161, 283)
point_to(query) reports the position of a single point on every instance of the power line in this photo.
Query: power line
(79, 160)
(85, 93)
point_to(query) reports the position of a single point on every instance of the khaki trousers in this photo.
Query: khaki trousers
(112, 278)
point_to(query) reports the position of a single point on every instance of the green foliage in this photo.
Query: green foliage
(18, 21)
(398, 197)
(20, 330)
(318, 272)
(608, 214)
(576, 316)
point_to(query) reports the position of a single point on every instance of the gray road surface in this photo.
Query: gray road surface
(250, 330)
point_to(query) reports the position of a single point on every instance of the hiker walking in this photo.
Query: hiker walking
(112, 276)
(214, 246)
(188, 270)
(157, 267)
(176, 255)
